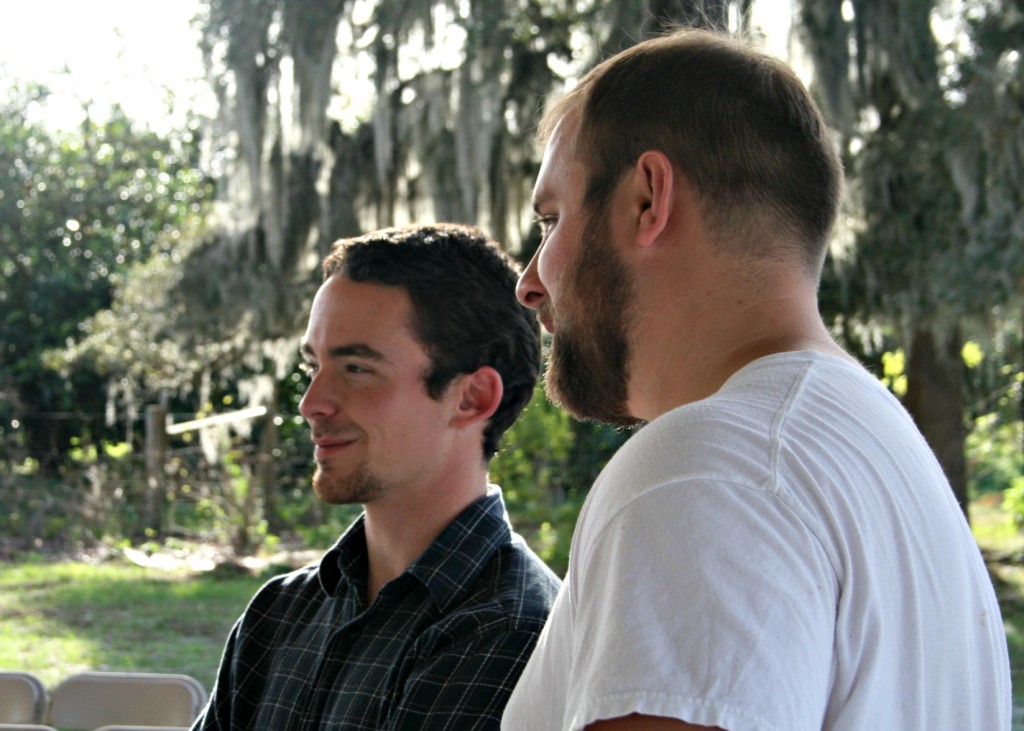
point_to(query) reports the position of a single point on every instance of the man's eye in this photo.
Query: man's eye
(546, 223)
(355, 368)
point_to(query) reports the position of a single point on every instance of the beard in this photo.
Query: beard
(360, 486)
(588, 366)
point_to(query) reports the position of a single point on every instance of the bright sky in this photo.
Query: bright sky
(133, 51)
(125, 51)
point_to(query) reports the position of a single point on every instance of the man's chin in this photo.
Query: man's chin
(347, 489)
(325, 496)
(329, 489)
(576, 398)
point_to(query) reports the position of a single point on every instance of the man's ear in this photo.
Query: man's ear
(479, 395)
(654, 184)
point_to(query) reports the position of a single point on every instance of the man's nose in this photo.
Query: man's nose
(316, 403)
(529, 290)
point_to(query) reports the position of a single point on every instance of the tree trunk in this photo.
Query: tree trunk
(935, 398)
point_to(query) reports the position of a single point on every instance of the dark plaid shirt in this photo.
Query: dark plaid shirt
(440, 648)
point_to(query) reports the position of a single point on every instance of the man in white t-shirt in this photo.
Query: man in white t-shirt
(777, 548)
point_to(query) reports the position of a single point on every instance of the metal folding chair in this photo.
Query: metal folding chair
(22, 698)
(91, 700)
(133, 728)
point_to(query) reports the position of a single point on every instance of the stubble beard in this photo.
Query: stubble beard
(357, 487)
(588, 366)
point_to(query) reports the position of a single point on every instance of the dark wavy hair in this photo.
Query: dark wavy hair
(462, 288)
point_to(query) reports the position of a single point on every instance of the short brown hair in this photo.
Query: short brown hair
(737, 122)
(463, 292)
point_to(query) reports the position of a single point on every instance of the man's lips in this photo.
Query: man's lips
(329, 445)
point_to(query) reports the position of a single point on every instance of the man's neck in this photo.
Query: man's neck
(399, 530)
(687, 357)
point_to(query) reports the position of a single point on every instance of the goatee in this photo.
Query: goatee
(359, 487)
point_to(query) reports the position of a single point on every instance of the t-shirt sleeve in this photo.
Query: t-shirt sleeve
(708, 603)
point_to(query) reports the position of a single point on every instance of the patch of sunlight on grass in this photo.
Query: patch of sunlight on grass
(1003, 544)
(992, 527)
(1009, 583)
(20, 651)
(60, 618)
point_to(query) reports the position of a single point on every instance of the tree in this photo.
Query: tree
(933, 251)
(450, 95)
(76, 210)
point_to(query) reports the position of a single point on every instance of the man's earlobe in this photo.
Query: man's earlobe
(656, 179)
(480, 395)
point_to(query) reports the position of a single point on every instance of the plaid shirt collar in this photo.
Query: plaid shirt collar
(447, 568)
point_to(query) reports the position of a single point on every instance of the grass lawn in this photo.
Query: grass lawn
(60, 618)
(57, 618)
(1003, 545)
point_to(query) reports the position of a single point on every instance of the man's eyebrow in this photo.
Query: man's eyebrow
(360, 350)
(541, 197)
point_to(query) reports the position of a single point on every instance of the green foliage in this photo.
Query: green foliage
(995, 457)
(76, 210)
(531, 468)
(546, 465)
(893, 371)
(99, 496)
(1013, 502)
(894, 364)
(99, 229)
(927, 101)
(136, 337)
(531, 463)
(995, 439)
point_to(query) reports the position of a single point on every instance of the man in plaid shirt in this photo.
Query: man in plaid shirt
(424, 613)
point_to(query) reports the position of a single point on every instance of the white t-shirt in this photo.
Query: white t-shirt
(787, 555)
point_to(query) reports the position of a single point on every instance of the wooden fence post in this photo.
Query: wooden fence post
(156, 451)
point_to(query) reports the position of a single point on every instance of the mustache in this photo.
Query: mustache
(329, 435)
(546, 313)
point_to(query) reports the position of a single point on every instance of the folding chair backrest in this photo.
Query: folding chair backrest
(119, 727)
(22, 697)
(90, 700)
